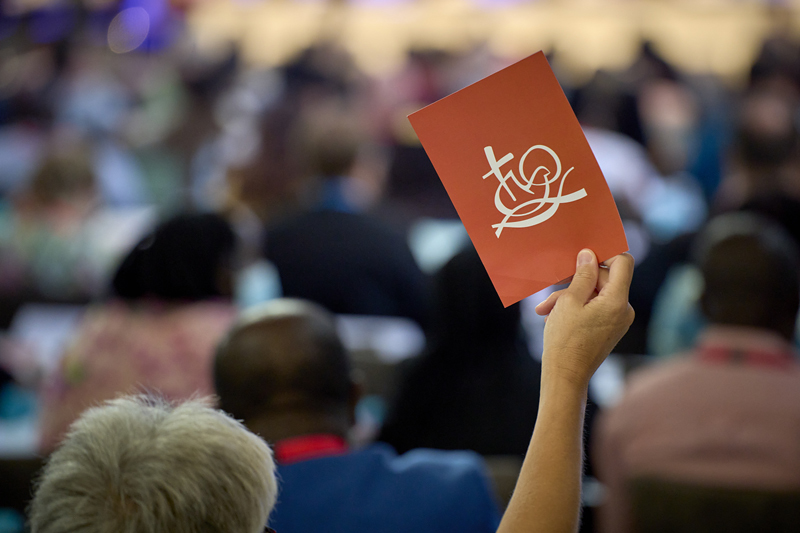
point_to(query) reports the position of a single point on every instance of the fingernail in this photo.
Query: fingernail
(584, 257)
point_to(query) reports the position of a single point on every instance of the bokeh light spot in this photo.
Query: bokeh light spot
(128, 30)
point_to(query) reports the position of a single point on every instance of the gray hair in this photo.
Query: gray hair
(139, 464)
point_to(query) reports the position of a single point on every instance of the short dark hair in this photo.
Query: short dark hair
(466, 303)
(182, 259)
(750, 267)
(63, 176)
(286, 348)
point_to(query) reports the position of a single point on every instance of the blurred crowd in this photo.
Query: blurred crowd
(166, 190)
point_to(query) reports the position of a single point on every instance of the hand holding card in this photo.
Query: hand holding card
(514, 160)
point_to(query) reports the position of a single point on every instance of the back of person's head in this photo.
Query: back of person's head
(186, 258)
(140, 464)
(327, 138)
(780, 207)
(285, 356)
(766, 136)
(777, 64)
(322, 70)
(467, 307)
(63, 176)
(751, 271)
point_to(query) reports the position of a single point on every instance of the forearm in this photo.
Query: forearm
(584, 323)
(547, 495)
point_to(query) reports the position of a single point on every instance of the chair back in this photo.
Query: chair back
(16, 481)
(661, 506)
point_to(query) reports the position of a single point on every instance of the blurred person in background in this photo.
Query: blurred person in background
(477, 386)
(649, 103)
(648, 126)
(677, 320)
(94, 101)
(283, 370)
(261, 179)
(331, 252)
(763, 163)
(674, 204)
(765, 153)
(715, 429)
(413, 189)
(140, 463)
(260, 115)
(46, 246)
(170, 306)
(193, 145)
(777, 66)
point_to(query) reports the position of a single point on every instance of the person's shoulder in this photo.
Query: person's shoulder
(424, 489)
(300, 220)
(646, 388)
(418, 467)
(168, 316)
(446, 467)
(793, 368)
(213, 310)
(328, 222)
(649, 379)
(453, 478)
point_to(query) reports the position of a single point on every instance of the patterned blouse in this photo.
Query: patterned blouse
(121, 349)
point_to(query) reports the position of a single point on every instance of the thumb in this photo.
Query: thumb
(585, 279)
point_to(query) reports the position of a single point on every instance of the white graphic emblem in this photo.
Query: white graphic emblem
(524, 211)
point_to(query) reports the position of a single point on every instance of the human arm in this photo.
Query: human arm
(585, 322)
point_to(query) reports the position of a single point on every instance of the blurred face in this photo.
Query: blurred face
(669, 116)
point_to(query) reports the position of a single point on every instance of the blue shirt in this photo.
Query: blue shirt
(374, 490)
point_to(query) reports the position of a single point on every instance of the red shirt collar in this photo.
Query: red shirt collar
(306, 447)
(748, 346)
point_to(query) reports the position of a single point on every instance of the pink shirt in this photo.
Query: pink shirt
(120, 349)
(726, 415)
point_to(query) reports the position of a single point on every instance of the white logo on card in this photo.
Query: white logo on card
(523, 212)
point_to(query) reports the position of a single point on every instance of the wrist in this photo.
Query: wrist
(563, 387)
(557, 374)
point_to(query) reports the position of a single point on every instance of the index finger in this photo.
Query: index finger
(620, 274)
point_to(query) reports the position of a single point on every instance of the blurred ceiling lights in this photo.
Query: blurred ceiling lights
(719, 37)
(701, 36)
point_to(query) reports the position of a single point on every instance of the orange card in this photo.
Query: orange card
(522, 177)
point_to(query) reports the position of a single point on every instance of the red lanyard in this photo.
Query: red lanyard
(780, 359)
(306, 447)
